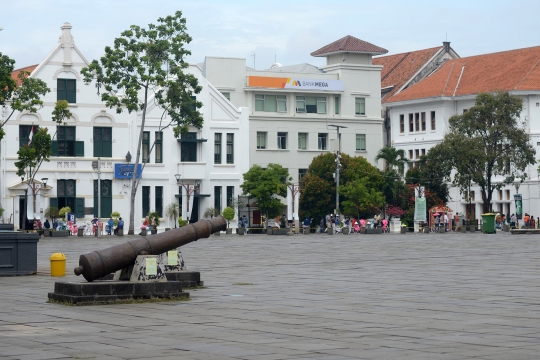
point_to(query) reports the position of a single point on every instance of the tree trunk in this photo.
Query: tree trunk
(134, 182)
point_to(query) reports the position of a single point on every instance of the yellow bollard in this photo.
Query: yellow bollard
(58, 264)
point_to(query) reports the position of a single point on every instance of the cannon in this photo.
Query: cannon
(97, 264)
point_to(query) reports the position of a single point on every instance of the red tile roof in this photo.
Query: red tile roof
(508, 70)
(349, 44)
(15, 73)
(400, 68)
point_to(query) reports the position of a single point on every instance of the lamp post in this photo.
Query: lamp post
(96, 165)
(190, 189)
(338, 165)
(518, 200)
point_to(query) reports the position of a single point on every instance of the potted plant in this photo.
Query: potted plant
(172, 211)
(155, 216)
(62, 213)
(211, 212)
(228, 214)
(182, 222)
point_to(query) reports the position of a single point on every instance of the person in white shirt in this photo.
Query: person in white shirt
(445, 222)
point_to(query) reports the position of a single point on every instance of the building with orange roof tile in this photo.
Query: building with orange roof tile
(419, 114)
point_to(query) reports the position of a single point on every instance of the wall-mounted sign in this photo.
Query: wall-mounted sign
(299, 84)
(125, 171)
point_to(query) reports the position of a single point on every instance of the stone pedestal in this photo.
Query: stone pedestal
(395, 225)
(147, 268)
(172, 261)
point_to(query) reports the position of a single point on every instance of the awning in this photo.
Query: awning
(194, 195)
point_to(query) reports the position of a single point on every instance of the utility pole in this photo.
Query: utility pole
(338, 165)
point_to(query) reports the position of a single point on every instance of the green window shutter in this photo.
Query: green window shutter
(54, 148)
(61, 89)
(79, 148)
(71, 91)
(79, 208)
(53, 202)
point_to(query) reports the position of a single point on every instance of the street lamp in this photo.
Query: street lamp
(338, 165)
(295, 189)
(96, 166)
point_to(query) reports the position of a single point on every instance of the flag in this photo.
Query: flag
(31, 135)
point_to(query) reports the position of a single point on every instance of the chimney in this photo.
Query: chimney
(446, 45)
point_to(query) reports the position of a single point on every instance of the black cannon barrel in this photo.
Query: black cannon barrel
(100, 263)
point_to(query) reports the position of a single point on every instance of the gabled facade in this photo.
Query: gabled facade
(419, 114)
(95, 132)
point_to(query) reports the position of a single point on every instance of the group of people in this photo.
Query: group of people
(440, 220)
(243, 223)
(111, 228)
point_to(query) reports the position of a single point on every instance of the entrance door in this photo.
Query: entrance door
(29, 224)
(195, 211)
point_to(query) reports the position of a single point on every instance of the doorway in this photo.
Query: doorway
(29, 223)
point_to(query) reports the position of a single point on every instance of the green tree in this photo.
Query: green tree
(228, 214)
(490, 140)
(266, 186)
(24, 97)
(318, 196)
(361, 199)
(145, 62)
(392, 158)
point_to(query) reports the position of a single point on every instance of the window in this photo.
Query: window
(281, 140)
(217, 148)
(24, 133)
(507, 194)
(423, 151)
(402, 123)
(227, 95)
(66, 144)
(188, 149)
(102, 142)
(66, 90)
(411, 123)
(360, 106)
(146, 147)
(230, 195)
(311, 104)
(417, 121)
(410, 154)
(433, 120)
(423, 117)
(360, 141)
(159, 200)
(66, 191)
(302, 141)
(217, 198)
(336, 105)
(270, 103)
(417, 152)
(261, 140)
(145, 200)
(159, 147)
(230, 148)
(322, 141)
(472, 195)
(301, 174)
(106, 198)
(465, 110)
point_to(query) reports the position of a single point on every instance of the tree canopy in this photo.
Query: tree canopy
(145, 62)
(24, 97)
(489, 140)
(266, 186)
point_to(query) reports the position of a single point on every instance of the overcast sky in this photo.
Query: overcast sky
(287, 31)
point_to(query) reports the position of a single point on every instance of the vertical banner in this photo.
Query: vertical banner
(519, 208)
(289, 204)
(420, 209)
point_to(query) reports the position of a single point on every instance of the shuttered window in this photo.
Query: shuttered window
(102, 142)
(66, 90)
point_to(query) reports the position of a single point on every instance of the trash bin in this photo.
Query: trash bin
(488, 223)
(58, 264)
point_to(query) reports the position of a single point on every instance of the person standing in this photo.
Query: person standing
(513, 220)
(110, 225)
(436, 221)
(321, 226)
(445, 222)
(246, 224)
(120, 225)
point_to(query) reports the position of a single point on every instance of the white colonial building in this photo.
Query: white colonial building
(419, 115)
(210, 158)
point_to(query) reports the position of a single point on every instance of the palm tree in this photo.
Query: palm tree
(392, 157)
(172, 210)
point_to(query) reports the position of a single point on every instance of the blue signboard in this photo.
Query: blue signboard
(125, 171)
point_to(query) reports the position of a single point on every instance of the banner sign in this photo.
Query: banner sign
(295, 83)
(519, 207)
(420, 208)
(125, 171)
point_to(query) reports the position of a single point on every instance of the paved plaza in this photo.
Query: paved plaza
(411, 296)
